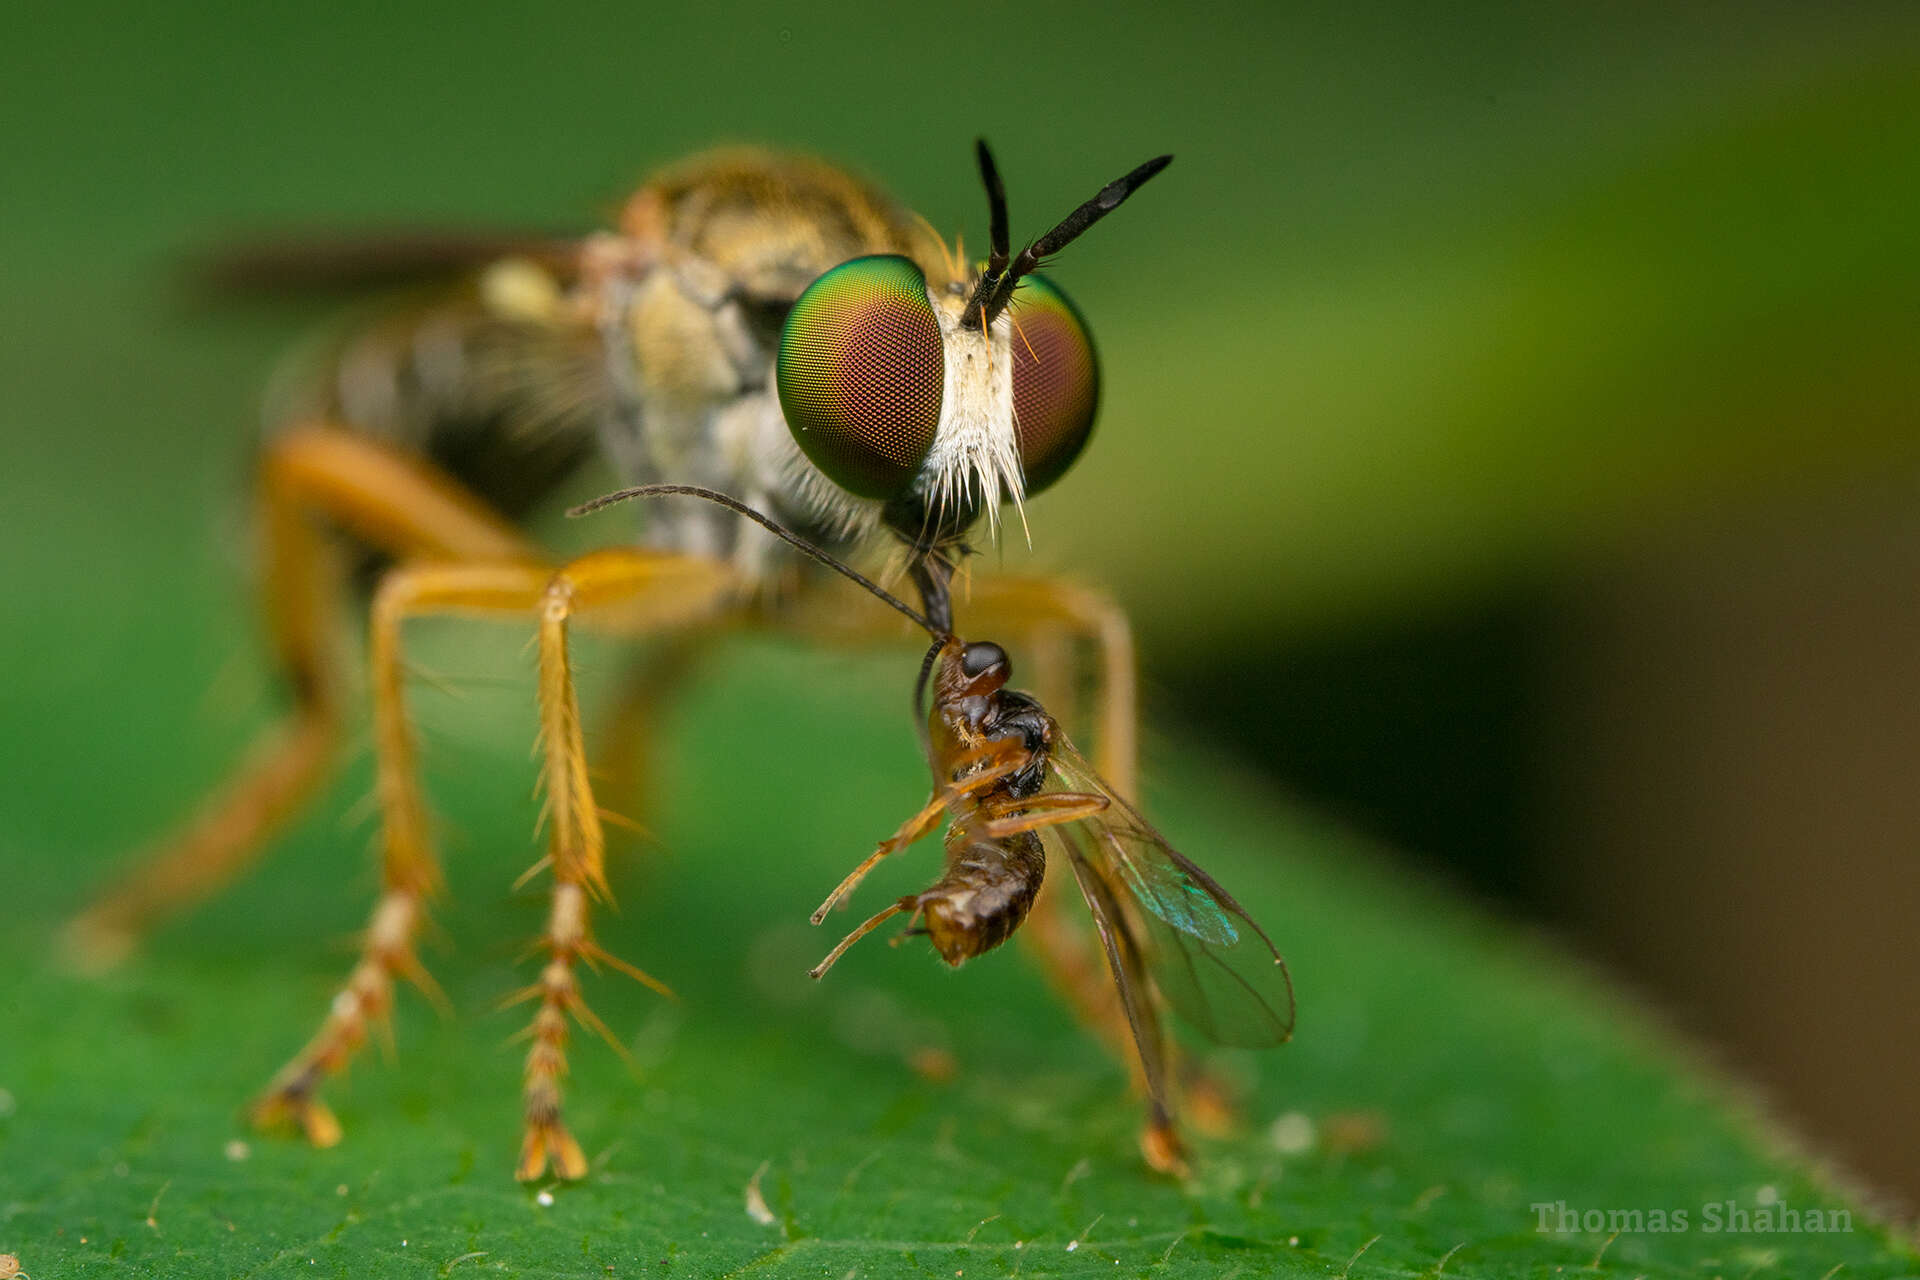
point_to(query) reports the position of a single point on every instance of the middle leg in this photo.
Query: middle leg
(1078, 622)
(1072, 621)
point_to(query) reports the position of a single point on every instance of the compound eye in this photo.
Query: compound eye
(862, 372)
(981, 657)
(1056, 381)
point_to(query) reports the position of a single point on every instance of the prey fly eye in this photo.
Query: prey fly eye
(862, 372)
(1056, 381)
(983, 656)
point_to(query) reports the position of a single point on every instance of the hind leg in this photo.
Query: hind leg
(385, 500)
(1066, 624)
(1082, 638)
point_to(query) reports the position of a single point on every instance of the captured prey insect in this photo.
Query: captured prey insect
(1010, 784)
(761, 322)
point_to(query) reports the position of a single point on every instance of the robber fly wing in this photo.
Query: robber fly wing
(1125, 960)
(1214, 964)
(355, 262)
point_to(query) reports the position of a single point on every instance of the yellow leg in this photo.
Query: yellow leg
(409, 871)
(1010, 757)
(1011, 816)
(692, 590)
(386, 500)
(629, 734)
(687, 590)
(910, 831)
(1064, 623)
(1027, 612)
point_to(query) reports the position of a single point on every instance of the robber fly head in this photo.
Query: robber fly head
(942, 401)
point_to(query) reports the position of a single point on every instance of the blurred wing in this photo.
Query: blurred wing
(1212, 962)
(333, 262)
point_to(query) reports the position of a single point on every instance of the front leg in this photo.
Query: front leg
(1014, 814)
(638, 591)
(656, 590)
(1099, 648)
(989, 764)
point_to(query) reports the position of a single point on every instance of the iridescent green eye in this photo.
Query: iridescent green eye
(862, 372)
(1056, 381)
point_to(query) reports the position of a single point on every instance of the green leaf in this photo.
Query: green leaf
(1447, 1074)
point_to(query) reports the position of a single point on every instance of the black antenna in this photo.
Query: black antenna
(997, 238)
(920, 696)
(940, 635)
(995, 290)
(1111, 197)
(920, 685)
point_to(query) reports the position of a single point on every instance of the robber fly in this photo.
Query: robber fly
(760, 322)
(1009, 784)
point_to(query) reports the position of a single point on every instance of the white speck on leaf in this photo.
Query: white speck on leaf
(1291, 1133)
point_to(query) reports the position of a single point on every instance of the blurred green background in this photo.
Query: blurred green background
(1513, 413)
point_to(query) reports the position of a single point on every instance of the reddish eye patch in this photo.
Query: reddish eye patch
(862, 373)
(1056, 381)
